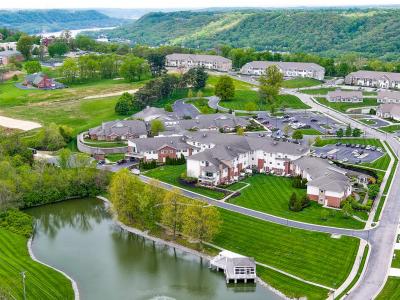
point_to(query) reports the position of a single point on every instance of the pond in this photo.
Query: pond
(81, 238)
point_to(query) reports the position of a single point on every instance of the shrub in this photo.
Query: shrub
(373, 191)
(16, 222)
(147, 165)
(186, 179)
(324, 215)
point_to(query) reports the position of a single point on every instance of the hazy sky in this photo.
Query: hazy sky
(183, 3)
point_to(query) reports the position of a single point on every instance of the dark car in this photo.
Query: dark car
(101, 162)
(352, 145)
(313, 120)
(363, 146)
(348, 145)
(121, 161)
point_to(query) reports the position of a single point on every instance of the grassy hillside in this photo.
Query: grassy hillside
(368, 31)
(35, 21)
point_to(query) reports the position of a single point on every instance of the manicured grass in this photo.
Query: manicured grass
(115, 156)
(390, 128)
(396, 259)
(300, 83)
(344, 106)
(171, 174)
(104, 144)
(391, 290)
(202, 105)
(309, 131)
(313, 256)
(359, 272)
(361, 141)
(381, 163)
(41, 281)
(236, 186)
(289, 286)
(270, 194)
(324, 91)
(368, 121)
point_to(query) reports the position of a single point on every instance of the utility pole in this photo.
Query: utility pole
(23, 283)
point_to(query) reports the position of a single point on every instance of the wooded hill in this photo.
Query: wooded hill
(35, 21)
(372, 32)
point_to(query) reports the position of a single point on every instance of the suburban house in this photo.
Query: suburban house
(327, 184)
(385, 80)
(8, 46)
(119, 130)
(152, 113)
(188, 61)
(389, 111)
(7, 55)
(288, 69)
(386, 96)
(344, 96)
(223, 158)
(159, 148)
(41, 81)
(236, 267)
(214, 122)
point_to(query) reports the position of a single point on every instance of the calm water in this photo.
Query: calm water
(80, 238)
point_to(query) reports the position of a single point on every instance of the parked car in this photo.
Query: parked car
(373, 148)
(348, 145)
(352, 145)
(379, 149)
(368, 147)
(338, 144)
(101, 162)
(363, 146)
(323, 156)
(313, 120)
(357, 145)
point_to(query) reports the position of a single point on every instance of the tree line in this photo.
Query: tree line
(148, 207)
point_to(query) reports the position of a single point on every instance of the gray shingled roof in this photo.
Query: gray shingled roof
(198, 58)
(331, 181)
(374, 75)
(284, 65)
(151, 113)
(391, 108)
(345, 94)
(154, 144)
(387, 94)
(214, 121)
(125, 127)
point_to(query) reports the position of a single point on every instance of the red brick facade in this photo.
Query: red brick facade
(333, 201)
(165, 152)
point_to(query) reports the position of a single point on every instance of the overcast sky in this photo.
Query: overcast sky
(183, 3)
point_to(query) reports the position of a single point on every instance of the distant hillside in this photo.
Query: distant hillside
(35, 21)
(372, 32)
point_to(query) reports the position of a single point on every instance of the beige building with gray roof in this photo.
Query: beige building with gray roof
(385, 80)
(345, 96)
(288, 69)
(389, 111)
(387, 96)
(188, 61)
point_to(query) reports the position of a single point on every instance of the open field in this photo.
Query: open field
(310, 255)
(291, 287)
(41, 281)
(270, 194)
(344, 106)
(391, 290)
(170, 174)
(390, 128)
(300, 83)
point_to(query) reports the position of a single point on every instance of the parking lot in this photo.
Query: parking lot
(300, 120)
(353, 154)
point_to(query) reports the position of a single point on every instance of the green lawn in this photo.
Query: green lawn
(324, 91)
(313, 256)
(114, 157)
(343, 106)
(361, 141)
(309, 131)
(41, 281)
(202, 105)
(170, 174)
(291, 287)
(270, 194)
(391, 290)
(396, 259)
(390, 128)
(368, 121)
(105, 144)
(381, 163)
(300, 83)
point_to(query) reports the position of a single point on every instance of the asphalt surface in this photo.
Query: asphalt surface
(342, 152)
(182, 109)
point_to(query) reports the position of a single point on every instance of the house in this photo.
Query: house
(188, 61)
(389, 111)
(288, 69)
(41, 81)
(159, 148)
(152, 113)
(223, 122)
(236, 267)
(386, 96)
(344, 96)
(385, 80)
(8, 46)
(119, 130)
(327, 184)
(6, 56)
(223, 158)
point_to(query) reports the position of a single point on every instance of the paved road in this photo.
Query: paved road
(181, 109)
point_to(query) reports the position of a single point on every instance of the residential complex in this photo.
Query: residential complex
(389, 111)
(119, 130)
(288, 69)
(344, 96)
(386, 96)
(385, 80)
(7, 56)
(187, 61)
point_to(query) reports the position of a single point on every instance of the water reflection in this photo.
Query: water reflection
(80, 237)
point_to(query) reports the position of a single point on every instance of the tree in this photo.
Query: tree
(69, 70)
(340, 133)
(347, 210)
(157, 62)
(240, 131)
(270, 84)
(66, 132)
(295, 203)
(172, 211)
(225, 88)
(201, 78)
(24, 45)
(64, 158)
(324, 215)
(190, 94)
(201, 223)
(297, 135)
(348, 131)
(32, 67)
(199, 94)
(286, 130)
(57, 48)
(356, 132)
(134, 68)
(251, 106)
(125, 104)
(156, 127)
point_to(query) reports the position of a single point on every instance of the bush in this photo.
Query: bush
(175, 161)
(16, 222)
(298, 204)
(373, 191)
(299, 183)
(147, 165)
(183, 178)
(15, 77)
(324, 215)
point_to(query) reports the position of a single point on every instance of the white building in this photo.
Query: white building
(288, 69)
(386, 96)
(385, 80)
(389, 111)
(345, 96)
(188, 61)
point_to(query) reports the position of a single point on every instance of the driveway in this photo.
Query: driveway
(182, 109)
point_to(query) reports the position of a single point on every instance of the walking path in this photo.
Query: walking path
(18, 124)
(109, 94)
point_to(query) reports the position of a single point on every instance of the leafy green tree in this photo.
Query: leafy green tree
(66, 132)
(240, 131)
(156, 127)
(32, 67)
(347, 210)
(125, 104)
(297, 135)
(340, 133)
(270, 84)
(64, 158)
(190, 94)
(348, 131)
(157, 62)
(225, 88)
(57, 48)
(199, 94)
(24, 45)
(172, 211)
(69, 70)
(294, 203)
(201, 223)
(356, 132)
(324, 215)
(134, 68)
